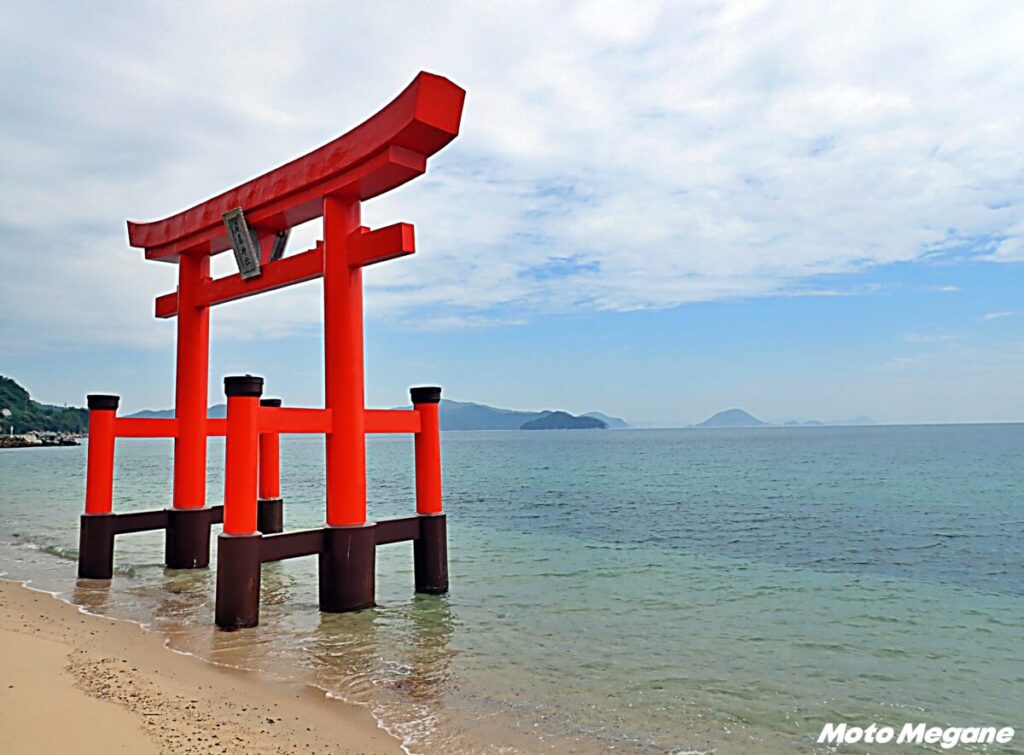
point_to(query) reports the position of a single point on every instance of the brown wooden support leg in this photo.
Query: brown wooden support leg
(96, 546)
(348, 564)
(430, 555)
(270, 515)
(187, 545)
(238, 581)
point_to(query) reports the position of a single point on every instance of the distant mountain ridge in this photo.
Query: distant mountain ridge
(741, 418)
(455, 415)
(217, 411)
(466, 415)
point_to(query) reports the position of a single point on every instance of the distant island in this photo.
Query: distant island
(25, 422)
(564, 421)
(732, 418)
(740, 418)
(613, 423)
(466, 415)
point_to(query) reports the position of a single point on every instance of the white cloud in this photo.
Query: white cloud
(998, 315)
(613, 156)
(930, 337)
(1011, 247)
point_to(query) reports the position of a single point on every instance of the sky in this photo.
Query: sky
(658, 211)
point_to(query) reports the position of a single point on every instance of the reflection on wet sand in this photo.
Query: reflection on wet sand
(396, 658)
(431, 656)
(91, 594)
(182, 593)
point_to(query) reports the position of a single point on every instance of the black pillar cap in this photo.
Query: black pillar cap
(102, 401)
(243, 385)
(426, 395)
(270, 402)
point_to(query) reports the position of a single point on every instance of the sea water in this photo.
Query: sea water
(635, 590)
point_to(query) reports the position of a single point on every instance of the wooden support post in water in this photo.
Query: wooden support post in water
(430, 550)
(96, 534)
(238, 547)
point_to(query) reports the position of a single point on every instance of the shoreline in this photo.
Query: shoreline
(41, 439)
(77, 682)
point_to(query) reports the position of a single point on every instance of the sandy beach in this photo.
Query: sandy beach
(73, 682)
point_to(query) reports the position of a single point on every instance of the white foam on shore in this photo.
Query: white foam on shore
(405, 741)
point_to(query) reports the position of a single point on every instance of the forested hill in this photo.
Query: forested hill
(18, 410)
(564, 421)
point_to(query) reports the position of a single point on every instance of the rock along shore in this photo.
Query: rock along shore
(39, 439)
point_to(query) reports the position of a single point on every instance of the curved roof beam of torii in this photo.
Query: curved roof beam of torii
(381, 153)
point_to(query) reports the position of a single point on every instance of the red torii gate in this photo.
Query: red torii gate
(384, 152)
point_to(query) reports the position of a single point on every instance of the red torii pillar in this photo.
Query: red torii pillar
(270, 505)
(188, 521)
(382, 153)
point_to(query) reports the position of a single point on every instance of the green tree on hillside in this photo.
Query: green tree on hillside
(27, 415)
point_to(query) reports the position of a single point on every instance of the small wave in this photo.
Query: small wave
(405, 740)
(68, 553)
(60, 551)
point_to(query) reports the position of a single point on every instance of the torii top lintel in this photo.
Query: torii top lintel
(388, 149)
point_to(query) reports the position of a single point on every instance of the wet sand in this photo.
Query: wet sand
(73, 682)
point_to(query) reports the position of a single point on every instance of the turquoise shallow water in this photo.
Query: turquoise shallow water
(648, 591)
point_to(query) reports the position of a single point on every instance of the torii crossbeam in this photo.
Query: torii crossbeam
(387, 150)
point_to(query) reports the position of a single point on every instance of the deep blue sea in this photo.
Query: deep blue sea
(636, 590)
